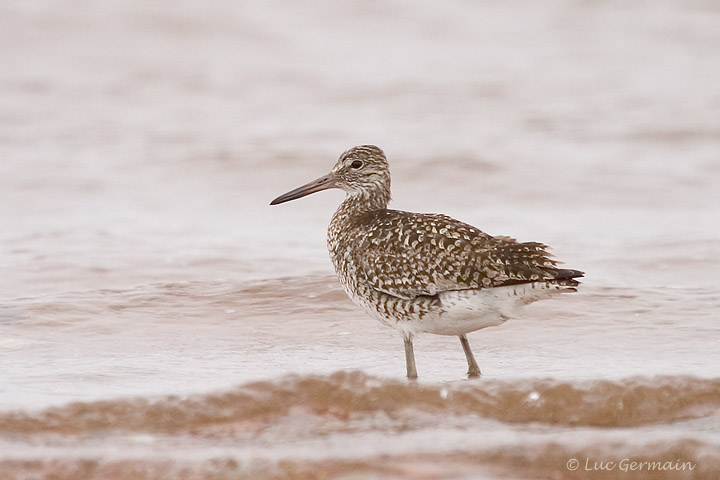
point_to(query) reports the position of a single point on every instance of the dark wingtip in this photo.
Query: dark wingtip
(566, 273)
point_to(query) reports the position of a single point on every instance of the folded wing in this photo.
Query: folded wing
(422, 255)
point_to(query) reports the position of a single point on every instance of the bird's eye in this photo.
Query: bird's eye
(356, 164)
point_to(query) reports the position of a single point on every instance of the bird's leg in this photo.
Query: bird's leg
(473, 369)
(410, 358)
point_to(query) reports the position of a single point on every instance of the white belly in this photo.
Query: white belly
(459, 311)
(465, 311)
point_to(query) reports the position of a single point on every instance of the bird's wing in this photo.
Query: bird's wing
(411, 255)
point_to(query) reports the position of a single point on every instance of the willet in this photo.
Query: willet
(426, 273)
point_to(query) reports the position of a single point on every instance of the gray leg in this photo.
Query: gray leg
(473, 369)
(410, 358)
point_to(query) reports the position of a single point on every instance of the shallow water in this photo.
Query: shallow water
(159, 320)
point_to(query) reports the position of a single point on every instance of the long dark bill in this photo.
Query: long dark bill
(322, 183)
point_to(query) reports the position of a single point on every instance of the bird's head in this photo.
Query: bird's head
(362, 172)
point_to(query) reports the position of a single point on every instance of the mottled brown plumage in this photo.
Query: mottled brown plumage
(426, 272)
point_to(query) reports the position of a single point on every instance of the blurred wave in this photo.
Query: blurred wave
(624, 403)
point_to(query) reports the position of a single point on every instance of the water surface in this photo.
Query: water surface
(159, 320)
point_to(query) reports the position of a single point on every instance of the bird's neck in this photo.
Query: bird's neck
(361, 202)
